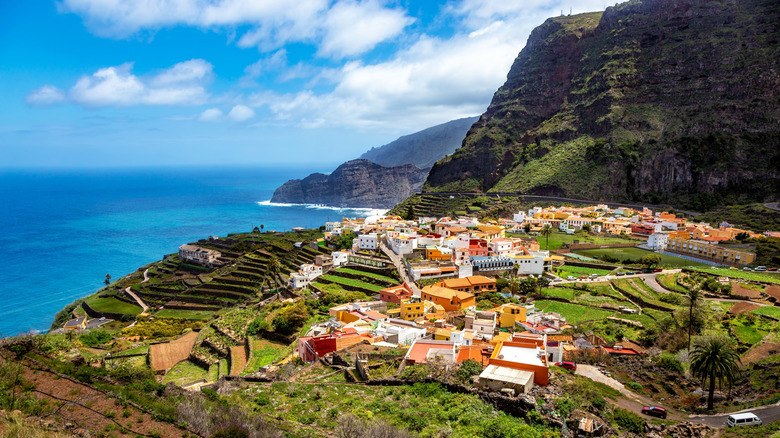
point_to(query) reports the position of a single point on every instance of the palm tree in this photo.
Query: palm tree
(274, 267)
(547, 231)
(694, 297)
(714, 358)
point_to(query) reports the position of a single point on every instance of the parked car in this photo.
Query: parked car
(654, 411)
(583, 277)
(760, 268)
(629, 272)
(620, 274)
(743, 419)
(658, 270)
(570, 278)
(773, 269)
(567, 365)
(594, 276)
(746, 269)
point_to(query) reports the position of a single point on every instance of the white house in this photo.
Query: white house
(532, 262)
(339, 258)
(330, 226)
(500, 246)
(657, 241)
(304, 277)
(483, 323)
(368, 241)
(398, 331)
(402, 243)
(202, 256)
(519, 216)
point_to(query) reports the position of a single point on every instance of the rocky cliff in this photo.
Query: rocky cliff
(654, 100)
(401, 167)
(356, 183)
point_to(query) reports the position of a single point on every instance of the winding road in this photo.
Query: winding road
(401, 267)
(137, 299)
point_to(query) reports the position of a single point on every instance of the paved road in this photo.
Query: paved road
(772, 206)
(635, 402)
(767, 414)
(401, 267)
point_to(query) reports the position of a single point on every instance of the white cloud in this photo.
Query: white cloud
(46, 95)
(211, 115)
(182, 84)
(240, 113)
(353, 28)
(345, 28)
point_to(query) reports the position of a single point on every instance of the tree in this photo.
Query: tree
(742, 236)
(694, 297)
(261, 227)
(107, 280)
(547, 231)
(716, 360)
(527, 227)
(650, 260)
(274, 267)
(586, 228)
(255, 230)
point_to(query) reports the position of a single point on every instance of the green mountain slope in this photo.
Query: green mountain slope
(653, 100)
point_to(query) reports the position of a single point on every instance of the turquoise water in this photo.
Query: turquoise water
(62, 231)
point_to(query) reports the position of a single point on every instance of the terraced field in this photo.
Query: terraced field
(573, 313)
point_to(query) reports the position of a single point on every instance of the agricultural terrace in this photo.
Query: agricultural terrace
(577, 271)
(351, 282)
(368, 274)
(184, 372)
(265, 352)
(669, 282)
(184, 314)
(772, 311)
(636, 254)
(638, 288)
(557, 239)
(737, 273)
(112, 305)
(573, 313)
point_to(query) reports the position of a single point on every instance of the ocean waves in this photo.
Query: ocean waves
(366, 212)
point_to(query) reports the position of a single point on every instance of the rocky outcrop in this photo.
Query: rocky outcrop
(673, 101)
(356, 183)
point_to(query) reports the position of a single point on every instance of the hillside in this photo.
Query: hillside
(381, 177)
(653, 101)
(422, 148)
(356, 183)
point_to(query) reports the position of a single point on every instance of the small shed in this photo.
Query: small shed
(497, 378)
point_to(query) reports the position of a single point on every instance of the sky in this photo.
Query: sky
(123, 83)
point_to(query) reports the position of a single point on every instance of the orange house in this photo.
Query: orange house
(474, 284)
(449, 299)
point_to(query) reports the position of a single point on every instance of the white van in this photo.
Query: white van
(744, 419)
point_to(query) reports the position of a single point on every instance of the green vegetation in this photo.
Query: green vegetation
(636, 254)
(577, 271)
(185, 314)
(736, 273)
(184, 372)
(160, 327)
(112, 305)
(94, 338)
(264, 353)
(767, 310)
(367, 274)
(557, 239)
(669, 282)
(754, 217)
(351, 282)
(573, 313)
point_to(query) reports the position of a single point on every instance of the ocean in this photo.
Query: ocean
(62, 231)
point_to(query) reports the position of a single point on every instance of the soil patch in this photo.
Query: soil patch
(773, 291)
(742, 307)
(165, 356)
(767, 349)
(740, 291)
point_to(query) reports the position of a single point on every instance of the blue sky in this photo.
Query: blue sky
(104, 83)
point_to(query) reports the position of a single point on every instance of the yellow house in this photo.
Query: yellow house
(509, 314)
(448, 298)
(442, 334)
(412, 309)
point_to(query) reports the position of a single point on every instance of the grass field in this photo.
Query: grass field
(767, 310)
(264, 352)
(186, 314)
(749, 334)
(576, 271)
(573, 313)
(112, 305)
(557, 240)
(184, 372)
(747, 275)
(367, 274)
(669, 282)
(351, 282)
(559, 292)
(637, 253)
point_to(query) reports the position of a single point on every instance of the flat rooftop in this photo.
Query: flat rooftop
(520, 355)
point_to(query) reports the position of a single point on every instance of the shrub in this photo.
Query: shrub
(94, 338)
(671, 299)
(634, 385)
(231, 431)
(670, 362)
(629, 421)
(468, 369)
(210, 393)
(258, 325)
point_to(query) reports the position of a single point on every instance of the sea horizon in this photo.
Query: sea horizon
(65, 228)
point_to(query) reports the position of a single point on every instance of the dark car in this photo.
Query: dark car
(629, 272)
(620, 274)
(654, 411)
(567, 365)
(658, 270)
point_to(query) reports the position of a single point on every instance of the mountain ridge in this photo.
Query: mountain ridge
(673, 101)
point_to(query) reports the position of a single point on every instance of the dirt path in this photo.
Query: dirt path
(632, 401)
(138, 299)
(237, 360)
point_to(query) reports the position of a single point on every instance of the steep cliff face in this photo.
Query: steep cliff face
(356, 183)
(653, 100)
